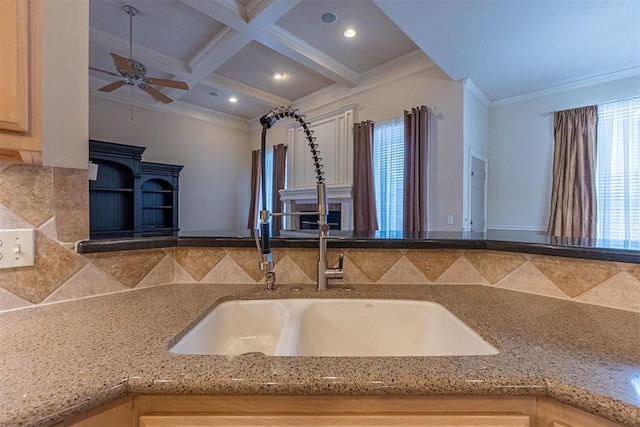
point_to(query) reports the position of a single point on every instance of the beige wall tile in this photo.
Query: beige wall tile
(574, 276)
(621, 291)
(288, 272)
(247, 260)
(374, 262)
(432, 262)
(10, 220)
(635, 271)
(128, 267)
(198, 261)
(10, 301)
(352, 273)
(87, 282)
(71, 204)
(227, 271)
(403, 272)
(27, 191)
(494, 265)
(53, 266)
(180, 275)
(460, 271)
(49, 228)
(528, 278)
(161, 274)
(306, 260)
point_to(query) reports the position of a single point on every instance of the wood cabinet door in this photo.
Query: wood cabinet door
(555, 414)
(359, 420)
(20, 81)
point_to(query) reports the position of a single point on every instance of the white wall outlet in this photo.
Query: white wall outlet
(450, 219)
(17, 248)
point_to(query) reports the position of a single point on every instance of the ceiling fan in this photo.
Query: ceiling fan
(134, 73)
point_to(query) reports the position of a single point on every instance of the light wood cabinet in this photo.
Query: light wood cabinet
(204, 411)
(554, 414)
(21, 81)
(335, 420)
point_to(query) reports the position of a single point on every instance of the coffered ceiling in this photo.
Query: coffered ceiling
(230, 48)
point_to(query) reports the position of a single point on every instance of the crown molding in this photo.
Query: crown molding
(406, 66)
(476, 91)
(592, 81)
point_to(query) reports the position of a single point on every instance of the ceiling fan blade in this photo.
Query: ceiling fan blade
(122, 63)
(103, 71)
(167, 83)
(112, 86)
(159, 96)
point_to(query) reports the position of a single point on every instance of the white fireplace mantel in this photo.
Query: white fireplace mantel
(309, 195)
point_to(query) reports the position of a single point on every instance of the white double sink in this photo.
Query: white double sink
(332, 327)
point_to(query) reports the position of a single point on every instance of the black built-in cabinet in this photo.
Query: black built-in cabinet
(131, 198)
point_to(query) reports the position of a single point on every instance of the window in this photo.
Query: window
(388, 172)
(618, 170)
(268, 167)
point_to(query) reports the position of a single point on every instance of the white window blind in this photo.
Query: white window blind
(388, 172)
(618, 170)
(268, 167)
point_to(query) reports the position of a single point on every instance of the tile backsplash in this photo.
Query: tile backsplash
(54, 201)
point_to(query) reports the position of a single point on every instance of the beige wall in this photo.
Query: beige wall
(65, 87)
(214, 183)
(430, 87)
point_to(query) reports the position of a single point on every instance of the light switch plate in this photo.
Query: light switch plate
(17, 248)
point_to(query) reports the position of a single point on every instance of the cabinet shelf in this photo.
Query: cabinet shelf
(111, 230)
(114, 189)
(131, 198)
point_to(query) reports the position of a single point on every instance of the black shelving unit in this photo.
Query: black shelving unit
(159, 198)
(131, 198)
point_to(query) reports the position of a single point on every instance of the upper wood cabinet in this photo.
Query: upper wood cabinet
(21, 81)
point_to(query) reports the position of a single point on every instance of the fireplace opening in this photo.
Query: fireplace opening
(310, 221)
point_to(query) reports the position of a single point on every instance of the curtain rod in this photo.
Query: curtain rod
(430, 108)
(548, 113)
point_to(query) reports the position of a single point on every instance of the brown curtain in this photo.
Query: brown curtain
(573, 195)
(364, 195)
(416, 144)
(279, 168)
(256, 166)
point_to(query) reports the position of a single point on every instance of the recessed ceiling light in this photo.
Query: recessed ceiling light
(233, 99)
(349, 33)
(328, 18)
(277, 75)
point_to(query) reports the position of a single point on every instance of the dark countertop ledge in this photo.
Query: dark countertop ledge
(62, 359)
(511, 241)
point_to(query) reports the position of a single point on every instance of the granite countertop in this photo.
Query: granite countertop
(59, 360)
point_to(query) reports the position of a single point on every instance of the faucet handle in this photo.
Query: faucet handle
(340, 261)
